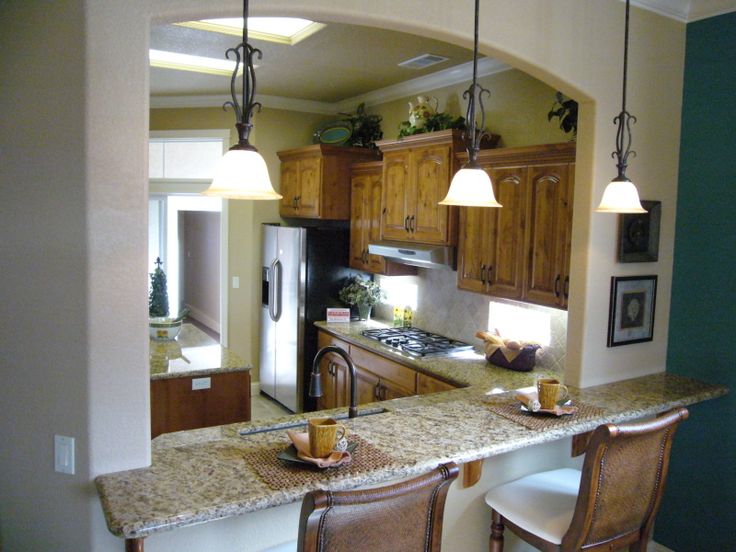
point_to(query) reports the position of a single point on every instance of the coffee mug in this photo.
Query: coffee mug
(323, 435)
(550, 391)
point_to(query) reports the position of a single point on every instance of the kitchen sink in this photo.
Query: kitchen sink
(303, 423)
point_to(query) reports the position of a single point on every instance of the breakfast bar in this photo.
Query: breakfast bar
(219, 472)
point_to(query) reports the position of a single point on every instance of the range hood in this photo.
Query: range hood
(415, 254)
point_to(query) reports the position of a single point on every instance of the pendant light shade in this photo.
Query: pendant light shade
(621, 196)
(242, 173)
(471, 187)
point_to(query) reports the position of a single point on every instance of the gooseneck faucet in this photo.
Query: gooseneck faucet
(315, 380)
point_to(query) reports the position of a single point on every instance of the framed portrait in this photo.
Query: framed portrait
(631, 310)
(638, 238)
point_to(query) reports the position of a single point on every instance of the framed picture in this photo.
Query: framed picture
(638, 239)
(631, 311)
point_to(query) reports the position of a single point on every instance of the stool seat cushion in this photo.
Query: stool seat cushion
(542, 503)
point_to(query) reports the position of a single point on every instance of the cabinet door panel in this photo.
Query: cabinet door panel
(360, 220)
(310, 179)
(367, 386)
(427, 384)
(395, 182)
(431, 175)
(289, 186)
(548, 188)
(506, 259)
(474, 245)
(376, 263)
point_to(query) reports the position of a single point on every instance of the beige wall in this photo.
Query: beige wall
(201, 239)
(74, 212)
(274, 130)
(517, 109)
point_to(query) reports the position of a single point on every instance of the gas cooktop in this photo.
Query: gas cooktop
(415, 342)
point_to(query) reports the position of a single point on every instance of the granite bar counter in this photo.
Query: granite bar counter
(204, 475)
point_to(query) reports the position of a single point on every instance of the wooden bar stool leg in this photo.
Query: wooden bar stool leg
(496, 542)
(133, 545)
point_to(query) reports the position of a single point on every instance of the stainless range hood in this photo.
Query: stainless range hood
(415, 254)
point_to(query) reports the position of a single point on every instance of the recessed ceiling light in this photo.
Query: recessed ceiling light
(283, 30)
(423, 61)
(196, 64)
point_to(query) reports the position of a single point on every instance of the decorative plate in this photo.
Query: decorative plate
(335, 133)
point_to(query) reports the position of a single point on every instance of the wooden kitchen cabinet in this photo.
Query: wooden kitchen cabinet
(427, 384)
(365, 221)
(522, 250)
(333, 370)
(315, 181)
(388, 379)
(175, 406)
(416, 175)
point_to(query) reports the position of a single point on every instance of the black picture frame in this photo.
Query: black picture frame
(638, 237)
(631, 309)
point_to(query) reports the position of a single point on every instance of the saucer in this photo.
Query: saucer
(290, 455)
(565, 409)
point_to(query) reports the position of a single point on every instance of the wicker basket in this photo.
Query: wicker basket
(523, 362)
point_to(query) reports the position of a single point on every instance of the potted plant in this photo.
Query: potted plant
(363, 293)
(566, 110)
(366, 129)
(160, 326)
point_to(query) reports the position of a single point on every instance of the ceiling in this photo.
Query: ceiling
(338, 62)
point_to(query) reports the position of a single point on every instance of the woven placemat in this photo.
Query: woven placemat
(541, 421)
(279, 475)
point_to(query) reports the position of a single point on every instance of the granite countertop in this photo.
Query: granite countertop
(202, 475)
(192, 353)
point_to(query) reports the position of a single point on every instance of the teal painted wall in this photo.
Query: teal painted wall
(698, 512)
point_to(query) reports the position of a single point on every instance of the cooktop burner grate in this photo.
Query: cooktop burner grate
(417, 342)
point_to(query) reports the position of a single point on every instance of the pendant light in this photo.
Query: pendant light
(242, 173)
(621, 196)
(471, 186)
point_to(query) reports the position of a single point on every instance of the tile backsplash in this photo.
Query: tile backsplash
(442, 308)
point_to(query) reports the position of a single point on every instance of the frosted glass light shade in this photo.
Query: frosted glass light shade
(620, 196)
(471, 188)
(242, 174)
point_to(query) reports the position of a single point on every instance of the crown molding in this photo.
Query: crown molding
(687, 11)
(439, 79)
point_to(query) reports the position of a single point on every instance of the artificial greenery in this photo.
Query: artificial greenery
(158, 297)
(366, 128)
(435, 121)
(357, 291)
(566, 110)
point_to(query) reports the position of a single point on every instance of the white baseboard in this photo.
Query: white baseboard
(203, 318)
(656, 547)
(255, 389)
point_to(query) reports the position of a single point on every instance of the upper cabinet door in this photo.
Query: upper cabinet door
(395, 219)
(376, 263)
(310, 187)
(474, 246)
(430, 171)
(360, 205)
(505, 269)
(548, 234)
(289, 186)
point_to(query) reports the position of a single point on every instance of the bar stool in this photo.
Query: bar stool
(404, 517)
(611, 504)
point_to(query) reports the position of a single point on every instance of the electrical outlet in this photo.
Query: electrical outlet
(201, 383)
(236, 282)
(64, 454)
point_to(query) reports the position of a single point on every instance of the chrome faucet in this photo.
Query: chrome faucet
(315, 380)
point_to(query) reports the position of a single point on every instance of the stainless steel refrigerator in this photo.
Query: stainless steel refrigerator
(302, 272)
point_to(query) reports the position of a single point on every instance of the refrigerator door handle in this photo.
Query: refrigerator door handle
(272, 291)
(275, 305)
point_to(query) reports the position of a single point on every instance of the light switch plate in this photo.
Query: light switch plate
(236, 282)
(201, 383)
(64, 454)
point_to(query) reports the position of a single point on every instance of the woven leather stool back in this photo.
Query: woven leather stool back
(404, 517)
(622, 483)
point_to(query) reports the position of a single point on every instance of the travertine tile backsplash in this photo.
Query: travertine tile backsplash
(447, 310)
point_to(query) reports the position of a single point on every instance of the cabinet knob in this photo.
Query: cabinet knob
(566, 287)
(412, 226)
(557, 286)
(483, 274)
(406, 223)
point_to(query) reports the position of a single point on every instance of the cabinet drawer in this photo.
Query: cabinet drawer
(385, 369)
(427, 384)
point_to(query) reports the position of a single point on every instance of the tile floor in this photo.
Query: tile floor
(263, 408)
